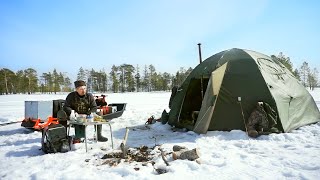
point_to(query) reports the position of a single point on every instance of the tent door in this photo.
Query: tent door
(192, 100)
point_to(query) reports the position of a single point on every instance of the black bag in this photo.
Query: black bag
(164, 117)
(59, 113)
(57, 106)
(55, 139)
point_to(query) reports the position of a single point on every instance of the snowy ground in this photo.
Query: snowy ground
(224, 155)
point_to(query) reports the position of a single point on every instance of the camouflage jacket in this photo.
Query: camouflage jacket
(81, 104)
(258, 120)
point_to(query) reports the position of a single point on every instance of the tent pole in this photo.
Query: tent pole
(181, 108)
(244, 120)
(201, 78)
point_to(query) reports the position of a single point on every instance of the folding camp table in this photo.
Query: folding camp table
(95, 124)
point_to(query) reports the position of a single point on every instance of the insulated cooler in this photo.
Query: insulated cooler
(38, 109)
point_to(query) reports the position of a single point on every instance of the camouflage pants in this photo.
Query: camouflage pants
(257, 123)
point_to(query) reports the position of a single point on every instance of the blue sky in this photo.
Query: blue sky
(68, 34)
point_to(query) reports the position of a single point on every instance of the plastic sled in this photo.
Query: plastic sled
(120, 108)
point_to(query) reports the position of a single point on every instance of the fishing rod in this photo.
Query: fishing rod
(8, 123)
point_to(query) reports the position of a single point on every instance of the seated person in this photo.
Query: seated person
(83, 103)
(260, 122)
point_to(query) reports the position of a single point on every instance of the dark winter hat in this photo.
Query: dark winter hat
(79, 83)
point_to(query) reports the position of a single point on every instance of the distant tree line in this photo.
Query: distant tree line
(127, 78)
(27, 82)
(53, 82)
(22, 81)
(121, 78)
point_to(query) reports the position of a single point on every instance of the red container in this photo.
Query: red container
(106, 110)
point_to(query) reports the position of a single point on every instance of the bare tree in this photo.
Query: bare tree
(304, 73)
(313, 78)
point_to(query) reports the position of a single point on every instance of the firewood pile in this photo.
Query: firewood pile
(141, 154)
(147, 155)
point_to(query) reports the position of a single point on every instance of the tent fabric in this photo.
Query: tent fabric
(210, 99)
(233, 81)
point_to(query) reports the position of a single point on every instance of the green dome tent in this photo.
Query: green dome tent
(225, 88)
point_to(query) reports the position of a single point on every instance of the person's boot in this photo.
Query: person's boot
(100, 137)
(79, 131)
(253, 133)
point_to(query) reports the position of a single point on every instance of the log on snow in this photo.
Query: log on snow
(186, 154)
(178, 148)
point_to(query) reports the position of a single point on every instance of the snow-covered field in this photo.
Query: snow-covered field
(224, 155)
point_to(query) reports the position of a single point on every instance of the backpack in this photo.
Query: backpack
(54, 139)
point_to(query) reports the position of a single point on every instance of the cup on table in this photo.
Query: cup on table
(99, 112)
(81, 118)
(90, 118)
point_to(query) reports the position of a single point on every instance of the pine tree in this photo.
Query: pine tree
(50, 82)
(91, 80)
(61, 81)
(158, 81)
(7, 81)
(128, 71)
(153, 77)
(21, 81)
(114, 78)
(104, 81)
(31, 75)
(146, 79)
(67, 84)
(56, 83)
(122, 78)
(137, 77)
(81, 74)
(166, 84)
(43, 83)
